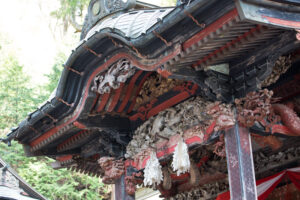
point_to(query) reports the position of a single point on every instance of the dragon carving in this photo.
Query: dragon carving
(288, 117)
(113, 169)
(222, 114)
(258, 107)
(117, 74)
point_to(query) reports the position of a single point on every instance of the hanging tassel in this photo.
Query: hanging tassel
(152, 172)
(181, 160)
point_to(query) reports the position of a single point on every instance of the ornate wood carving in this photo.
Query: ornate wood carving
(112, 79)
(113, 169)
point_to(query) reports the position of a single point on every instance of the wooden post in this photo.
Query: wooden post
(119, 190)
(240, 165)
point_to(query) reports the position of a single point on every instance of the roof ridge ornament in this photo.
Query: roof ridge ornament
(99, 9)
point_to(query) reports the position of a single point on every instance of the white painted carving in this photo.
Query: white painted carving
(117, 74)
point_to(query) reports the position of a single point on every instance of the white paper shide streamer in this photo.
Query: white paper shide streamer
(152, 172)
(181, 160)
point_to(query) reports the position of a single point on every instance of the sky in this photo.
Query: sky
(34, 36)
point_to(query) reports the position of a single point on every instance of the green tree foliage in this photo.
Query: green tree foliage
(59, 184)
(168, 2)
(71, 12)
(54, 75)
(16, 95)
(17, 98)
